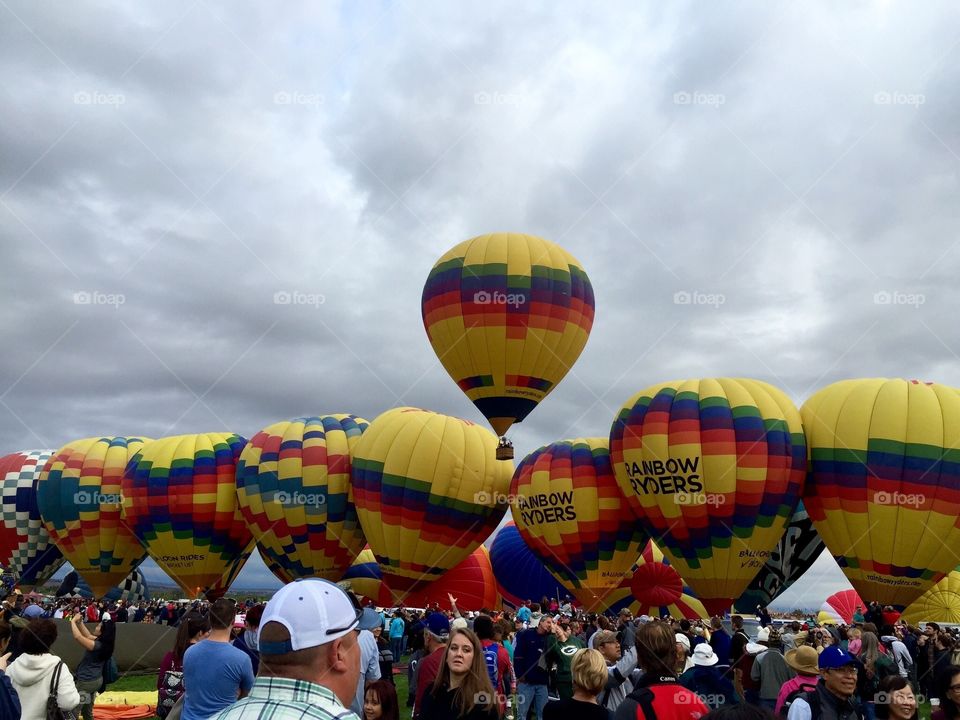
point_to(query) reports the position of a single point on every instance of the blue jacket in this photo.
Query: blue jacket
(529, 648)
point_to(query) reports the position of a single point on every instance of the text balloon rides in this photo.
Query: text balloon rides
(508, 315)
(80, 501)
(520, 574)
(573, 516)
(941, 603)
(884, 488)
(716, 467)
(25, 546)
(796, 552)
(293, 486)
(428, 491)
(655, 589)
(180, 499)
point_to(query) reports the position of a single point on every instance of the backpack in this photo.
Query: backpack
(171, 690)
(490, 657)
(53, 705)
(802, 691)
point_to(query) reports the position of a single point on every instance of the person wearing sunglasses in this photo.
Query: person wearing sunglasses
(309, 655)
(835, 695)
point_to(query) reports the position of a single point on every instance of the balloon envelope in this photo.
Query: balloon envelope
(180, 499)
(656, 589)
(293, 487)
(839, 607)
(79, 496)
(133, 589)
(884, 488)
(572, 515)
(520, 574)
(507, 314)
(716, 467)
(940, 604)
(25, 545)
(428, 491)
(796, 552)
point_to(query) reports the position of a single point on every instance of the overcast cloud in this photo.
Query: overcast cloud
(789, 169)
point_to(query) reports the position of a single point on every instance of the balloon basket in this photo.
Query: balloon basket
(505, 450)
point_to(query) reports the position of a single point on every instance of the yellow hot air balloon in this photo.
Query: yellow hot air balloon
(940, 604)
(884, 486)
(716, 467)
(507, 314)
(428, 491)
(80, 501)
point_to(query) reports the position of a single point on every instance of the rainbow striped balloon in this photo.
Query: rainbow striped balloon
(716, 467)
(508, 315)
(25, 546)
(656, 589)
(180, 500)
(293, 486)
(571, 513)
(884, 488)
(80, 500)
(428, 491)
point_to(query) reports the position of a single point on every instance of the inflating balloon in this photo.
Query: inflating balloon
(796, 552)
(132, 590)
(571, 513)
(884, 488)
(366, 579)
(428, 491)
(838, 609)
(716, 467)
(508, 315)
(79, 496)
(940, 604)
(520, 574)
(273, 566)
(293, 486)
(180, 500)
(656, 589)
(25, 546)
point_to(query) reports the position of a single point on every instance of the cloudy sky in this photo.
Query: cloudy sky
(761, 189)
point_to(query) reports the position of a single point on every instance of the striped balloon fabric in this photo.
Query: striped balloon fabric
(656, 589)
(25, 546)
(508, 315)
(884, 490)
(428, 491)
(180, 500)
(941, 603)
(571, 513)
(716, 467)
(293, 486)
(80, 501)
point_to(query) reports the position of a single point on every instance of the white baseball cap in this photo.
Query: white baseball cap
(314, 612)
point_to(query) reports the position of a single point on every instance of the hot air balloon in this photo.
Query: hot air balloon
(25, 547)
(884, 487)
(428, 491)
(293, 486)
(273, 566)
(508, 315)
(471, 583)
(79, 496)
(132, 590)
(838, 609)
(796, 552)
(520, 574)
(940, 604)
(716, 467)
(571, 513)
(656, 589)
(180, 500)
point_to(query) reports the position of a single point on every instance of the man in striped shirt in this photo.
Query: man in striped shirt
(309, 656)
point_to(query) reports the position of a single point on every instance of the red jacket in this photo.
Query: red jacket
(661, 698)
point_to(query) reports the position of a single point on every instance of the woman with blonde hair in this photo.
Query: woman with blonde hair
(462, 690)
(589, 671)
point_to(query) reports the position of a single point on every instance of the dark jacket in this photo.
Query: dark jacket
(440, 706)
(824, 705)
(529, 647)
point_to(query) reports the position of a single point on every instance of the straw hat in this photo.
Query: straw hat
(803, 659)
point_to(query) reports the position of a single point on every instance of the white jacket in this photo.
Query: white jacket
(31, 676)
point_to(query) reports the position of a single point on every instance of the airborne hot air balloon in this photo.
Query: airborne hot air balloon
(428, 491)
(25, 546)
(508, 315)
(656, 589)
(520, 574)
(796, 552)
(940, 604)
(293, 486)
(884, 488)
(571, 513)
(180, 499)
(79, 496)
(716, 467)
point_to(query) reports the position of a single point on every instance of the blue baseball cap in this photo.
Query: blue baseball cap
(438, 625)
(833, 657)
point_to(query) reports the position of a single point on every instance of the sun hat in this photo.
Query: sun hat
(704, 655)
(803, 659)
(314, 612)
(683, 640)
(369, 620)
